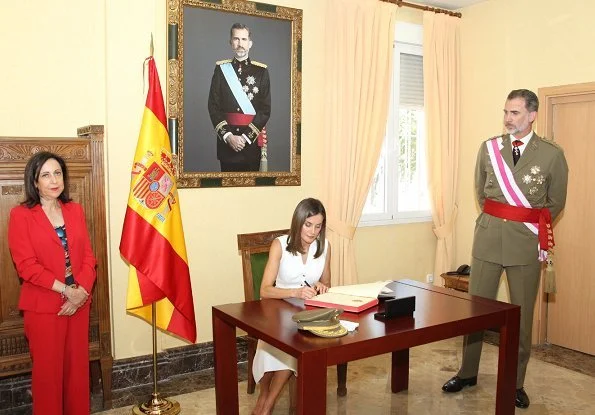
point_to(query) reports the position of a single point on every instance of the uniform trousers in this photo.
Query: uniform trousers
(253, 165)
(523, 283)
(59, 347)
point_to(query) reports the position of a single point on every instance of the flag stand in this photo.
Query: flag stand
(156, 405)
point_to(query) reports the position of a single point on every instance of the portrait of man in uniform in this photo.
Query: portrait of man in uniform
(240, 105)
(236, 77)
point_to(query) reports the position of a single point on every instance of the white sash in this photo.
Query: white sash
(513, 194)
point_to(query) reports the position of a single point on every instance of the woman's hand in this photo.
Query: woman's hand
(77, 296)
(305, 292)
(320, 287)
(67, 309)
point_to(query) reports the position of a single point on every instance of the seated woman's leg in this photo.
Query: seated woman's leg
(265, 383)
(271, 385)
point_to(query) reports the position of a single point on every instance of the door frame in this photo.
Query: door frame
(544, 128)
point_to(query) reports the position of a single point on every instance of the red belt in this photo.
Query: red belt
(540, 216)
(235, 118)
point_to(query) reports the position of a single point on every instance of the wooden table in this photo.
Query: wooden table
(440, 314)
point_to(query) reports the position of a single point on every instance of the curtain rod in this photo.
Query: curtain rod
(425, 8)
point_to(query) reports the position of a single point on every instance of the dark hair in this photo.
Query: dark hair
(32, 170)
(531, 100)
(305, 209)
(239, 26)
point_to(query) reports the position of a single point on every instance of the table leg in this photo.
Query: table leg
(508, 354)
(226, 370)
(399, 376)
(311, 383)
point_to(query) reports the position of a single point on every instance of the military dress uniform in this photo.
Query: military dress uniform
(254, 79)
(541, 174)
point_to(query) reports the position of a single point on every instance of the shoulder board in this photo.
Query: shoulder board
(550, 141)
(223, 61)
(496, 136)
(262, 65)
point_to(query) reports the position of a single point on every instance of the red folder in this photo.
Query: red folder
(351, 303)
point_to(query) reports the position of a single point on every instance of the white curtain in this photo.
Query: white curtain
(441, 46)
(358, 71)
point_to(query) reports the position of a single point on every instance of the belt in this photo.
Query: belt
(540, 216)
(236, 118)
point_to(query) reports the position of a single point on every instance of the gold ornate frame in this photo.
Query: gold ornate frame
(175, 95)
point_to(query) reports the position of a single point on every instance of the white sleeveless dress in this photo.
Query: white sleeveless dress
(292, 274)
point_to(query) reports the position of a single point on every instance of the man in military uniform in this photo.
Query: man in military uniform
(520, 184)
(240, 105)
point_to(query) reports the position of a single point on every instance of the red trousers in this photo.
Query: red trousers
(59, 347)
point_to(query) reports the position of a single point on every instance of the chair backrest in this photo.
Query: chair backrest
(254, 248)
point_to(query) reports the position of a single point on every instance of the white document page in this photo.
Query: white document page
(363, 290)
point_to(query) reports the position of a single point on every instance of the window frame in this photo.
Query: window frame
(408, 40)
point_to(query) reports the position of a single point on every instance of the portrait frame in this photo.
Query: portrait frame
(198, 39)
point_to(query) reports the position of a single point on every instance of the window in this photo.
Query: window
(399, 190)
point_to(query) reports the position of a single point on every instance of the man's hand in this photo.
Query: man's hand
(236, 142)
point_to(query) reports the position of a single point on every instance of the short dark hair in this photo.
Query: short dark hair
(531, 100)
(32, 170)
(240, 26)
(305, 209)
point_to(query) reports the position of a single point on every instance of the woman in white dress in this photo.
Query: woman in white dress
(299, 267)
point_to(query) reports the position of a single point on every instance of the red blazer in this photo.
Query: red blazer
(39, 256)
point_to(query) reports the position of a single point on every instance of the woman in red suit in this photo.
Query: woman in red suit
(50, 247)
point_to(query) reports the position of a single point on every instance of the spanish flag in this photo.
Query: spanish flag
(152, 238)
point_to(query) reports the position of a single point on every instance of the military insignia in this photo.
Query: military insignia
(540, 179)
(255, 90)
(533, 190)
(527, 179)
(250, 96)
(262, 65)
(245, 88)
(496, 136)
(250, 80)
(535, 170)
(223, 61)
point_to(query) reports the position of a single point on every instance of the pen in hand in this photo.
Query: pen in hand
(308, 285)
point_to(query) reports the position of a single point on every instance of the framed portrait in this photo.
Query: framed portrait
(234, 93)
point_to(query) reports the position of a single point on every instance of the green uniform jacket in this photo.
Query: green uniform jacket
(542, 175)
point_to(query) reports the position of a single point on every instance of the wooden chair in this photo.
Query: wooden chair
(254, 248)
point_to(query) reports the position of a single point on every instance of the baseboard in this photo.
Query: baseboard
(130, 377)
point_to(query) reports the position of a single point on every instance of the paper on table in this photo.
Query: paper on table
(362, 290)
(349, 325)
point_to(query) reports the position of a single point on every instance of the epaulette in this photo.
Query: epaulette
(262, 65)
(496, 136)
(223, 61)
(551, 142)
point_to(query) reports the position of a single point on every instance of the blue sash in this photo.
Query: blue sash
(236, 89)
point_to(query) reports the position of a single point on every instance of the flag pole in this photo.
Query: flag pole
(156, 405)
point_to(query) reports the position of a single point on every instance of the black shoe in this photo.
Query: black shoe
(455, 384)
(521, 400)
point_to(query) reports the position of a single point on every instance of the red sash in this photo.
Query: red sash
(235, 118)
(542, 216)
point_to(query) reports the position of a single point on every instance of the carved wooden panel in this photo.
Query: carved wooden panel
(84, 157)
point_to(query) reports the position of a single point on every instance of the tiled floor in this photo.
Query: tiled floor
(553, 389)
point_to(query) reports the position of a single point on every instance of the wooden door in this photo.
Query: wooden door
(84, 157)
(570, 313)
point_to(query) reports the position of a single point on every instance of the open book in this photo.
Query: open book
(353, 298)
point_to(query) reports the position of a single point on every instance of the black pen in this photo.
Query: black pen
(306, 282)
